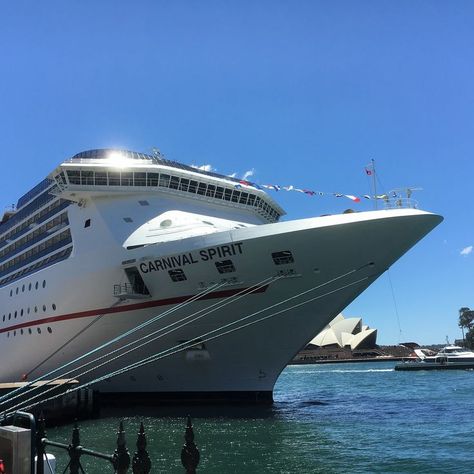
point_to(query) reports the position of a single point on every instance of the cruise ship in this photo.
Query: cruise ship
(187, 280)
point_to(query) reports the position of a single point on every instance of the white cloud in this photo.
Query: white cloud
(248, 173)
(466, 250)
(204, 167)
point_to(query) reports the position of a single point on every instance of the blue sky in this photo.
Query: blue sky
(302, 92)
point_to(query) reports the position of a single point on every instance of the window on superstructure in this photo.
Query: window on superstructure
(152, 179)
(184, 184)
(127, 179)
(192, 186)
(74, 176)
(143, 203)
(226, 266)
(219, 192)
(128, 219)
(282, 258)
(227, 194)
(243, 198)
(140, 179)
(114, 178)
(211, 189)
(87, 178)
(101, 178)
(202, 189)
(177, 275)
(164, 180)
(174, 182)
(87, 223)
(235, 196)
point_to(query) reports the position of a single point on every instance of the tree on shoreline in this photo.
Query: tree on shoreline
(466, 321)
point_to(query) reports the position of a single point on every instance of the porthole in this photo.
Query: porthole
(28, 310)
(36, 309)
(11, 292)
(16, 290)
(23, 288)
(54, 307)
(50, 330)
(128, 219)
(36, 285)
(8, 334)
(4, 317)
(9, 316)
(16, 312)
(44, 307)
(44, 283)
(14, 332)
(39, 330)
(30, 331)
(87, 223)
(29, 287)
(21, 331)
(21, 312)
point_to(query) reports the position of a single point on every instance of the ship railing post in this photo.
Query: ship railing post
(40, 446)
(189, 454)
(75, 451)
(141, 463)
(121, 454)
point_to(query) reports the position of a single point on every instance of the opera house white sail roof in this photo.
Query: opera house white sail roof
(342, 332)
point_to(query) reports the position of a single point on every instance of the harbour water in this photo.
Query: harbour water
(334, 418)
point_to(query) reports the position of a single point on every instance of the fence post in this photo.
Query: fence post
(121, 454)
(40, 451)
(141, 463)
(189, 454)
(74, 451)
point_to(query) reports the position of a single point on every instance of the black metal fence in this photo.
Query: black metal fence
(120, 460)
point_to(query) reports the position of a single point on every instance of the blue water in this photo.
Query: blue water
(335, 418)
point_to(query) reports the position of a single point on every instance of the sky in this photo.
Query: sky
(303, 93)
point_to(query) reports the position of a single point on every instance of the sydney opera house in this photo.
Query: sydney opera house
(348, 333)
(342, 339)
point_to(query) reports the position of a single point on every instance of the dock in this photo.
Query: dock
(65, 405)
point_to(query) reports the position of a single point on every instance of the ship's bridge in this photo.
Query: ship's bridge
(110, 170)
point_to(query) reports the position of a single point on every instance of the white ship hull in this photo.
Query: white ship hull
(335, 259)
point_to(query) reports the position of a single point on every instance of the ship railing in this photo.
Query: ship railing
(129, 291)
(120, 459)
(400, 203)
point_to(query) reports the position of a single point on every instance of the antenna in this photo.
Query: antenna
(375, 182)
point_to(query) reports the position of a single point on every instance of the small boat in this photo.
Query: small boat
(450, 357)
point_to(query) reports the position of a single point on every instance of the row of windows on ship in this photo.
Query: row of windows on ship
(35, 218)
(30, 331)
(49, 260)
(163, 180)
(20, 313)
(33, 253)
(30, 287)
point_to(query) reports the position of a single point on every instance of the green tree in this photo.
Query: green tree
(466, 322)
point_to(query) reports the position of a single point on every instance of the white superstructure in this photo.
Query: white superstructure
(114, 238)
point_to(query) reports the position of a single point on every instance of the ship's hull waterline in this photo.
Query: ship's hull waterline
(335, 259)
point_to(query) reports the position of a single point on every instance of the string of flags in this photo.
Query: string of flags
(369, 171)
(310, 192)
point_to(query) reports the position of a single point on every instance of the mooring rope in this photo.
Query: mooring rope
(22, 389)
(186, 345)
(219, 305)
(183, 346)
